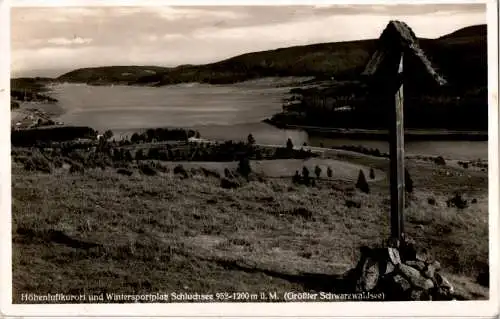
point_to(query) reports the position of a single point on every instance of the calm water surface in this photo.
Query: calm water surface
(219, 112)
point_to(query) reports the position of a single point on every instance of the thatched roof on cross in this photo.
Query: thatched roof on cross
(398, 38)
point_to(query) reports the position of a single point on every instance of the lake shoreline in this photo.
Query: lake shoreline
(276, 133)
(369, 134)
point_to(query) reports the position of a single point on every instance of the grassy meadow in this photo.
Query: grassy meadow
(100, 231)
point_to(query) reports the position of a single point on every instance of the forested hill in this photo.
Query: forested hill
(460, 56)
(111, 74)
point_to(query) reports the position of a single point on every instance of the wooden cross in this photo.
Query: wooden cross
(396, 153)
(397, 47)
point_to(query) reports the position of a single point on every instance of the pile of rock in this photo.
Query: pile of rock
(401, 274)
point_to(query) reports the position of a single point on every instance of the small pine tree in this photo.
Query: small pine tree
(153, 153)
(244, 166)
(362, 184)
(117, 155)
(177, 154)
(289, 144)
(135, 138)
(317, 171)
(139, 155)
(372, 173)
(329, 172)
(128, 156)
(258, 155)
(108, 134)
(305, 175)
(296, 178)
(250, 139)
(408, 182)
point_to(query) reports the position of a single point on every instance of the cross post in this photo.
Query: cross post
(396, 153)
(397, 44)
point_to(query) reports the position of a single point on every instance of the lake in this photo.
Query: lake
(218, 112)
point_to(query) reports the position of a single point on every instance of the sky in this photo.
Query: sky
(48, 41)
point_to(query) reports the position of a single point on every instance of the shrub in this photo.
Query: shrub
(180, 170)
(29, 164)
(229, 184)
(57, 162)
(139, 155)
(117, 155)
(457, 201)
(147, 169)
(227, 173)
(153, 153)
(76, 168)
(431, 201)
(37, 162)
(123, 171)
(162, 168)
(107, 135)
(483, 277)
(135, 138)
(439, 160)
(362, 184)
(208, 173)
(350, 203)
(128, 156)
(14, 105)
(302, 212)
(408, 182)
(258, 154)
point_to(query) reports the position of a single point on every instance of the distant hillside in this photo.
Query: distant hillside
(461, 104)
(110, 74)
(472, 31)
(29, 84)
(460, 57)
(29, 89)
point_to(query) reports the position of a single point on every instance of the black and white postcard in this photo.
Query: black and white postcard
(249, 158)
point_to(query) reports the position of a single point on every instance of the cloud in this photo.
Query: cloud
(57, 14)
(164, 37)
(66, 41)
(186, 13)
(399, 9)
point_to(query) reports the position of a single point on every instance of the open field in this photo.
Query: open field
(100, 231)
(287, 168)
